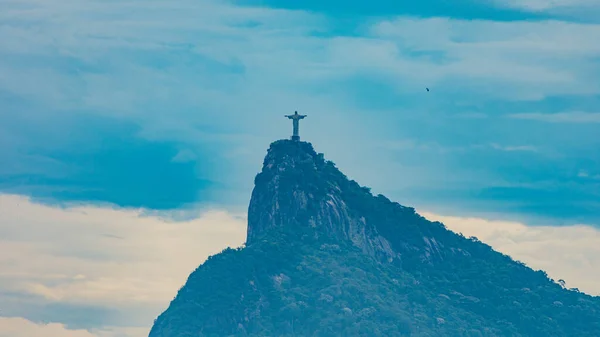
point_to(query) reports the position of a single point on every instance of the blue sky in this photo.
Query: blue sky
(170, 106)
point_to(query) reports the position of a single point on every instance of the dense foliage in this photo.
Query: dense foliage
(301, 281)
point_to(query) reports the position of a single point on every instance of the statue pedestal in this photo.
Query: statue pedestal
(296, 138)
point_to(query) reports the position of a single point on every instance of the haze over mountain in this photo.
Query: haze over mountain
(325, 257)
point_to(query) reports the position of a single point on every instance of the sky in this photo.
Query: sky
(130, 134)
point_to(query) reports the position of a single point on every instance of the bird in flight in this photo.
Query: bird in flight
(427, 89)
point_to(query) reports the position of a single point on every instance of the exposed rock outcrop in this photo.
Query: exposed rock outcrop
(297, 187)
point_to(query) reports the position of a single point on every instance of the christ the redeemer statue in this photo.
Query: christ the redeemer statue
(296, 121)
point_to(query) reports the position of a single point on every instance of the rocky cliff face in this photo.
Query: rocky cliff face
(324, 257)
(298, 188)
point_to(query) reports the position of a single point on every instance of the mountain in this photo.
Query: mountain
(325, 257)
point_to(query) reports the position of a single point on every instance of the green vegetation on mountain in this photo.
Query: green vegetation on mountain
(324, 257)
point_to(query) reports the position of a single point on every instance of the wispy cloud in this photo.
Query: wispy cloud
(586, 175)
(544, 5)
(415, 145)
(249, 51)
(522, 52)
(560, 117)
(518, 148)
(570, 253)
(570, 10)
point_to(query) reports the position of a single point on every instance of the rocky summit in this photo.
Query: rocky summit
(325, 257)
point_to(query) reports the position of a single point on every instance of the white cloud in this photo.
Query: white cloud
(560, 117)
(571, 253)
(546, 5)
(511, 60)
(20, 327)
(122, 58)
(515, 148)
(410, 144)
(105, 257)
(586, 175)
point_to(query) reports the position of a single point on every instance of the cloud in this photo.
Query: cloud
(571, 253)
(545, 5)
(560, 117)
(525, 54)
(20, 327)
(197, 75)
(411, 144)
(467, 9)
(569, 10)
(586, 175)
(109, 162)
(108, 258)
(526, 148)
(244, 51)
